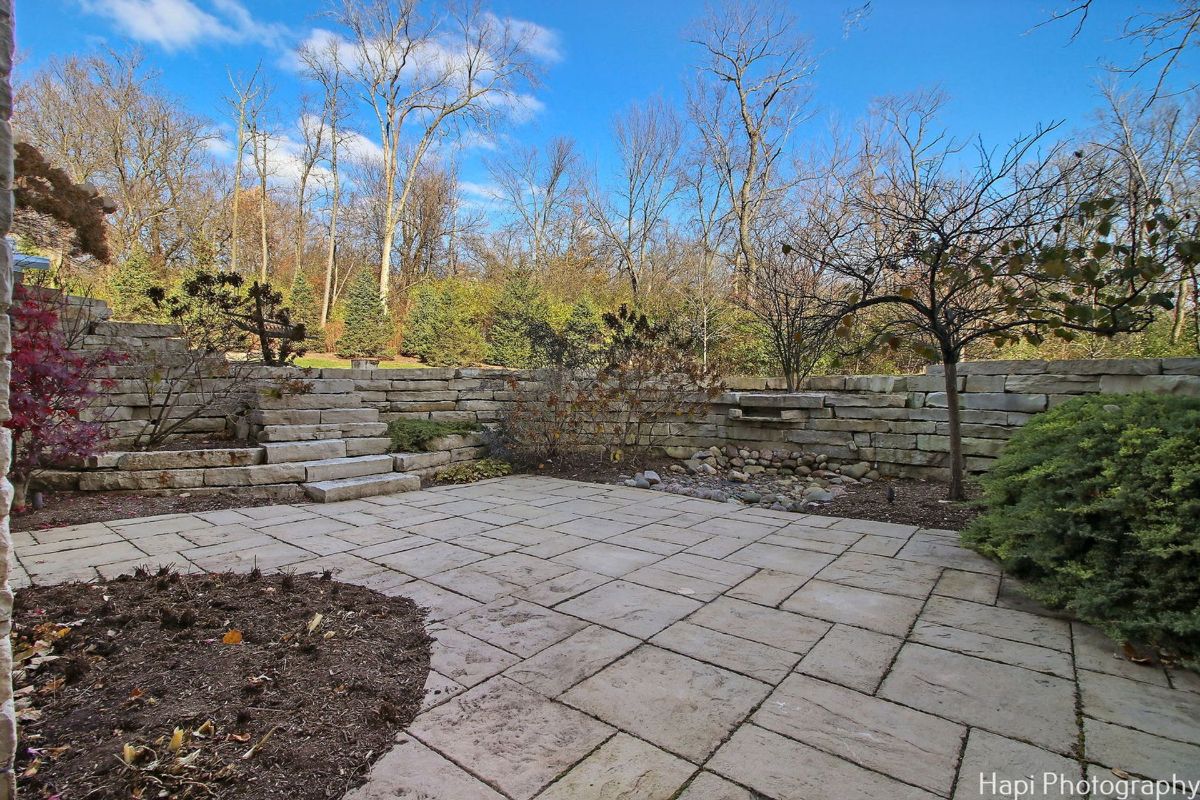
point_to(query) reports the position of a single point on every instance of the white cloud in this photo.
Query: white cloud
(541, 42)
(180, 24)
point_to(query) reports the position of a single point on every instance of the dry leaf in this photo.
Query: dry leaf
(129, 753)
(1120, 773)
(232, 637)
(315, 621)
(207, 729)
(176, 740)
(258, 745)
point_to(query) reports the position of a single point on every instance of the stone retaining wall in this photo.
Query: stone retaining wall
(897, 423)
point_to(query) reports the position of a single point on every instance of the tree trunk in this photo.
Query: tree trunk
(950, 363)
(20, 485)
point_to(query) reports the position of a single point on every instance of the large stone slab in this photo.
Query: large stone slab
(430, 559)
(707, 786)
(1040, 659)
(191, 459)
(623, 769)
(805, 563)
(990, 760)
(258, 475)
(333, 491)
(1169, 713)
(281, 452)
(767, 587)
(629, 608)
(877, 611)
(581, 655)
(517, 626)
(908, 745)
(1000, 698)
(513, 738)
(879, 574)
(853, 657)
(1118, 747)
(410, 771)
(779, 767)
(607, 559)
(781, 629)
(1002, 623)
(680, 704)
(759, 661)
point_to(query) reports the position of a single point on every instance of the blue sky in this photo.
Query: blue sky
(1003, 76)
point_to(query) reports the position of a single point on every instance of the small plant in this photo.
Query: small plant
(471, 471)
(414, 435)
(1094, 504)
(649, 378)
(51, 387)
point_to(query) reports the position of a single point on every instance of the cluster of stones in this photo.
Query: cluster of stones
(781, 480)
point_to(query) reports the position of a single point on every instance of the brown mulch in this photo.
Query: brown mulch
(913, 502)
(80, 508)
(158, 685)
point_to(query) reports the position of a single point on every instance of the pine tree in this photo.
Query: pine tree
(519, 310)
(129, 283)
(302, 303)
(442, 328)
(582, 336)
(368, 327)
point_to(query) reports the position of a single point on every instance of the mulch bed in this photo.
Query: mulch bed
(243, 686)
(80, 508)
(913, 502)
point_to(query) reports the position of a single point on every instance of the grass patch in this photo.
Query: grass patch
(414, 435)
(326, 361)
(471, 471)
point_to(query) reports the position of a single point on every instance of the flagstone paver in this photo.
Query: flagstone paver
(596, 642)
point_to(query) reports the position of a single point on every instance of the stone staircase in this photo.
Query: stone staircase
(341, 446)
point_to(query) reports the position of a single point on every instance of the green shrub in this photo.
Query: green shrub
(413, 435)
(129, 285)
(305, 308)
(1095, 504)
(520, 311)
(471, 471)
(368, 327)
(442, 327)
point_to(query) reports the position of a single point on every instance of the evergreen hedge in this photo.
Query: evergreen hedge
(1096, 505)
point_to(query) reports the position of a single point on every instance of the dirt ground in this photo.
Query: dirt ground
(249, 686)
(79, 508)
(912, 502)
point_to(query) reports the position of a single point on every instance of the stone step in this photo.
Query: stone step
(368, 446)
(284, 452)
(328, 416)
(319, 401)
(329, 469)
(301, 433)
(366, 486)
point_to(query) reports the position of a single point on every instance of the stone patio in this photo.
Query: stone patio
(596, 641)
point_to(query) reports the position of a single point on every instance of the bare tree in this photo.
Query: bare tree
(751, 92)
(631, 216)
(535, 186)
(996, 253)
(106, 122)
(262, 147)
(1165, 37)
(419, 69)
(325, 66)
(246, 103)
(314, 140)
